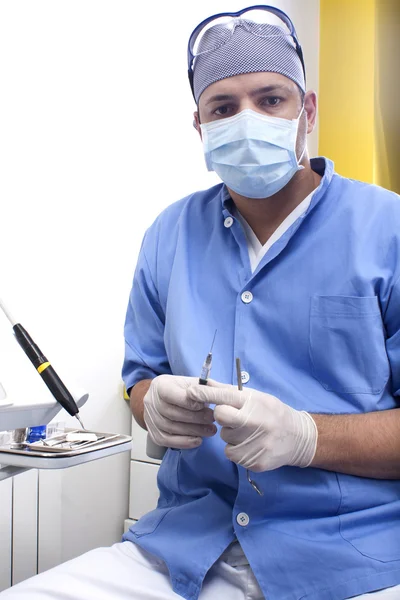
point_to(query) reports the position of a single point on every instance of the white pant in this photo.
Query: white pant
(126, 572)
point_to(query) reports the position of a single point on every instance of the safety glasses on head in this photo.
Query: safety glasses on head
(257, 20)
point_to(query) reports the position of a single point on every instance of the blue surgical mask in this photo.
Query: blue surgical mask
(253, 154)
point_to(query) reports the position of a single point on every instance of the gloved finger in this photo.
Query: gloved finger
(237, 455)
(157, 425)
(228, 395)
(175, 380)
(218, 384)
(177, 413)
(169, 391)
(228, 416)
(189, 429)
(178, 442)
(233, 436)
(228, 451)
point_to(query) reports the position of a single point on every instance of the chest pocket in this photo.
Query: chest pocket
(347, 344)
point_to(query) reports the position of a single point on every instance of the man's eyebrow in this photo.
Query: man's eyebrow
(263, 90)
(270, 88)
(220, 98)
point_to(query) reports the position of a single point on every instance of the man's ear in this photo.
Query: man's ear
(310, 107)
(196, 122)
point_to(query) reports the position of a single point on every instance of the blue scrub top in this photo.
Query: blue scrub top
(320, 332)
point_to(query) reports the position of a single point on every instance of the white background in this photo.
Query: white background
(96, 138)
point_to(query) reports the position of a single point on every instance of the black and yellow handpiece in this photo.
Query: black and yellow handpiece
(46, 371)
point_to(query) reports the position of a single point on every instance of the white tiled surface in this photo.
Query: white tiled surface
(143, 489)
(139, 437)
(128, 523)
(143, 494)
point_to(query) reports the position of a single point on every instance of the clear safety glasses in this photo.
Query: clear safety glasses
(253, 18)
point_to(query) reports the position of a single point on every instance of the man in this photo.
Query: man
(296, 268)
(288, 489)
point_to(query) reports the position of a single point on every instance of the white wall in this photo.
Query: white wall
(96, 138)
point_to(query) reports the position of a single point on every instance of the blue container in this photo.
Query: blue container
(36, 433)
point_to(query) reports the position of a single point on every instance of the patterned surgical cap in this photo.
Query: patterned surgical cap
(245, 52)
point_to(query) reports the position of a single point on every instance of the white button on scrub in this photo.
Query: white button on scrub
(228, 222)
(245, 377)
(242, 519)
(247, 297)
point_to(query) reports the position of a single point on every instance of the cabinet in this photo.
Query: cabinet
(50, 516)
(18, 528)
(5, 533)
(25, 526)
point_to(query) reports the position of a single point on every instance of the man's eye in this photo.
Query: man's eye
(222, 110)
(272, 101)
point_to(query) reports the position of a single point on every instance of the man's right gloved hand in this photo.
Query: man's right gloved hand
(172, 419)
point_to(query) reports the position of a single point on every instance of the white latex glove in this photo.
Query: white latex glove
(172, 419)
(262, 433)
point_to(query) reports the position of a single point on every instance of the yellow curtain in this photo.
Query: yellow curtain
(359, 105)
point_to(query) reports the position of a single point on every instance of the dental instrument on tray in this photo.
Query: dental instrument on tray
(43, 367)
(240, 388)
(206, 368)
(68, 441)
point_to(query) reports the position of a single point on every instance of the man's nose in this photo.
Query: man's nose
(248, 103)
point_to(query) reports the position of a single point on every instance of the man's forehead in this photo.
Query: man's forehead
(248, 83)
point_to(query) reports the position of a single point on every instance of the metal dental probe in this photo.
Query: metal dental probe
(240, 388)
(43, 367)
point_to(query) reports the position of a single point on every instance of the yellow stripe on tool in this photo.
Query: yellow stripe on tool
(43, 367)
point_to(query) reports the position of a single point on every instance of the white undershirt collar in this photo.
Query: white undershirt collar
(256, 250)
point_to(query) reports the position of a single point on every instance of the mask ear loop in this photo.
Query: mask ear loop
(297, 131)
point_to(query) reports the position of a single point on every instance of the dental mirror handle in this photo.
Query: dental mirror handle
(153, 450)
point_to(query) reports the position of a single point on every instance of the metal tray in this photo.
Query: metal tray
(31, 455)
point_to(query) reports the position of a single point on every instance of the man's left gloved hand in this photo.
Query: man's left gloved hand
(262, 433)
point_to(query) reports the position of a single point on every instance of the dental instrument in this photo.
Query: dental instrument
(206, 368)
(43, 366)
(240, 388)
